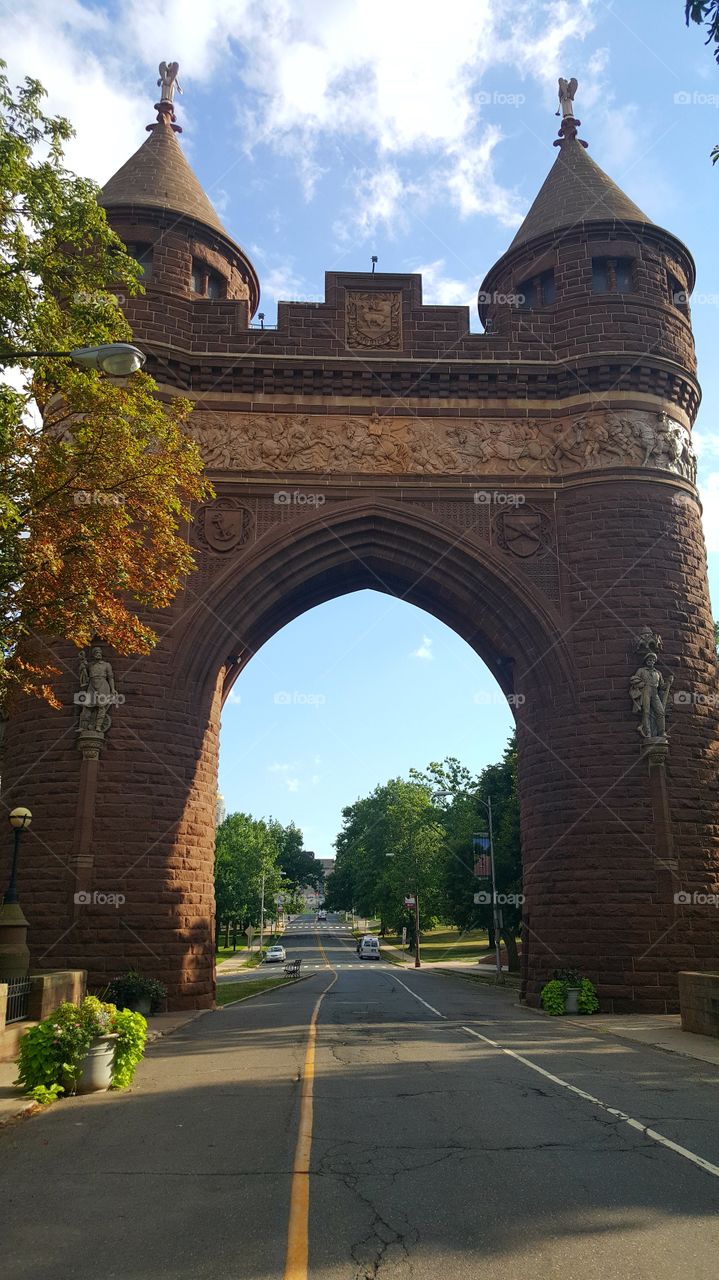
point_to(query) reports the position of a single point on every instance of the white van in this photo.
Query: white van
(369, 949)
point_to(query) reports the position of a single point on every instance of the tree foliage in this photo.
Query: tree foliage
(417, 834)
(705, 13)
(94, 500)
(247, 847)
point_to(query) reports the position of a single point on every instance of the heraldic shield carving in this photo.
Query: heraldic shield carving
(523, 531)
(223, 525)
(374, 319)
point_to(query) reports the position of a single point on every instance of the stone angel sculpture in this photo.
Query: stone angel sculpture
(567, 90)
(168, 81)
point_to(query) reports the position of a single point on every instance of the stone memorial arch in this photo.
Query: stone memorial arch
(532, 486)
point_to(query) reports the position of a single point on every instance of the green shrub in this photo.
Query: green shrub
(132, 986)
(52, 1053)
(554, 996)
(587, 1001)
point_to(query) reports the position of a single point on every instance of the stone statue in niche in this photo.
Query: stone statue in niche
(97, 692)
(649, 690)
(374, 319)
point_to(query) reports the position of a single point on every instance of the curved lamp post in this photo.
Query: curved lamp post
(116, 359)
(20, 819)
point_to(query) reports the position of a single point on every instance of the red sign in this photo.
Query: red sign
(410, 902)
(483, 867)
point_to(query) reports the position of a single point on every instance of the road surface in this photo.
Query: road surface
(426, 1127)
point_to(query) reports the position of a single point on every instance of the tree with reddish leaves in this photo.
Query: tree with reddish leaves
(97, 477)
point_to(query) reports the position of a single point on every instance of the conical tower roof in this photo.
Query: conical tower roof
(575, 190)
(158, 176)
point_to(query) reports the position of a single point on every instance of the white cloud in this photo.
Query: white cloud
(445, 290)
(292, 784)
(424, 651)
(392, 79)
(279, 767)
(709, 494)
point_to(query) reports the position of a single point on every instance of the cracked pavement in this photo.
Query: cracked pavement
(433, 1152)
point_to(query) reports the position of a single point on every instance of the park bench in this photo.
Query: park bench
(292, 968)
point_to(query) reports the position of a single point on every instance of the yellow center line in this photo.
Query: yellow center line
(296, 1261)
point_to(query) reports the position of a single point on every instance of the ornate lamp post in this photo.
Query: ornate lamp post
(20, 819)
(14, 952)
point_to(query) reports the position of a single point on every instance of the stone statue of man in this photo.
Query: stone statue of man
(649, 692)
(97, 691)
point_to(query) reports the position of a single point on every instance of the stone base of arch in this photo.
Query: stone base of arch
(620, 852)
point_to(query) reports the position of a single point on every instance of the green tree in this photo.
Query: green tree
(706, 13)
(94, 502)
(245, 848)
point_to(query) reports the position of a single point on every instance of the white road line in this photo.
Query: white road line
(612, 1111)
(424, 1002)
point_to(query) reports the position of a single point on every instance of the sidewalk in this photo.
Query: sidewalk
(12, 1102)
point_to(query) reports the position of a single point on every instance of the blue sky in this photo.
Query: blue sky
(326, 131)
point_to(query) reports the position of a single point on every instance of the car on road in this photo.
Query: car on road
(368, 948)
(321, 915)
(275, 954)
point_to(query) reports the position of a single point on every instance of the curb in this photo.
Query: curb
(28, 1108)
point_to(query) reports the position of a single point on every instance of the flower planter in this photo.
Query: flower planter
(96, 1073)
(572, 1005)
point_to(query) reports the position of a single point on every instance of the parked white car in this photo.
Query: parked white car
(275, 954)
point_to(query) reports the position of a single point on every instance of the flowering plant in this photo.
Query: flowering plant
(52, 1053)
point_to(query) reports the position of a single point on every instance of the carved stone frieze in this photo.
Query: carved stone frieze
(374, 319)
(442, 446)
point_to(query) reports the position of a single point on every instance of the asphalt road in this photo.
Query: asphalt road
(434, 1152)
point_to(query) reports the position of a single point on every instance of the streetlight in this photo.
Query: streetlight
(20, 819)
(283, 876)
(117, 359)
(495, 913)
(434, 797)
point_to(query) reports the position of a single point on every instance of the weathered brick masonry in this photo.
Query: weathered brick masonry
(531, 486)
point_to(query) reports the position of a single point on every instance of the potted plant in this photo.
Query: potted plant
(572, 982)
(133, 991)
(569, 992)
(81, 1049)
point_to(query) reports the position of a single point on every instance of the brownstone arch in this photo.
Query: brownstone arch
(532, 486)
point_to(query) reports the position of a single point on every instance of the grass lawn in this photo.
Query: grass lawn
(450, 944)
(226, 953)
(227, 992)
